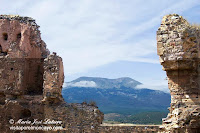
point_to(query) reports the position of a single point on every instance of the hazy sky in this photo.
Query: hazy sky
(105, 38)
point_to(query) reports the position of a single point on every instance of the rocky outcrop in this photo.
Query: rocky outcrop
(31, 82)
(178, 48)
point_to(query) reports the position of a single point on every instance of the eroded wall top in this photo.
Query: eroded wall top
(20, 38)
(177, 41)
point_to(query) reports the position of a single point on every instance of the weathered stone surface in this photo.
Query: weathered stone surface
(178, 48)
(20, 38)
(31, 81)
(53, 77)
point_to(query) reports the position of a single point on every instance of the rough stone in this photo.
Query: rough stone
(31, 81)
(179, 54)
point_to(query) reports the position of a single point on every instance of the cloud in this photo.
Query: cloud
(155, 85)
(98, 55)
(91, 33)
(81, 84)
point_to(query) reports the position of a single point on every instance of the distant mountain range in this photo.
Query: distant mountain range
(103, 83)
(116, 95)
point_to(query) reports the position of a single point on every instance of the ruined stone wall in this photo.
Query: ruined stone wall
(20, 76)
(128, 129)
(20, 38)
(178, 48)
(31, 81)
(53, 77)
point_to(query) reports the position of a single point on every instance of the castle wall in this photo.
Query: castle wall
(53, 77)
(21, 76)
(20, 38)
(178, 49)
(128, 129)
(31, 82)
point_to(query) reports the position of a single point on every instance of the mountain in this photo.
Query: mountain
(103, 83)
(116, 95)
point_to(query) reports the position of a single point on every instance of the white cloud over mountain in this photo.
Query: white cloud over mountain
(155, 85)
(81, 84)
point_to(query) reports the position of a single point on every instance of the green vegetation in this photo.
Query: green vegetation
(139, 118)
(93, 103)
(112, 122)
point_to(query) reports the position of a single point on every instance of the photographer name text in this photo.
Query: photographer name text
(35, 122)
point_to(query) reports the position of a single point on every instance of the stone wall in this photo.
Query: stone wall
(31, 82)
(21, 76)
(178, 48)
(53, 78)
(20, 38)
(128, 129)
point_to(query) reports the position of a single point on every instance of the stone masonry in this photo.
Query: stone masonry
(178, 47)
(31, 82)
